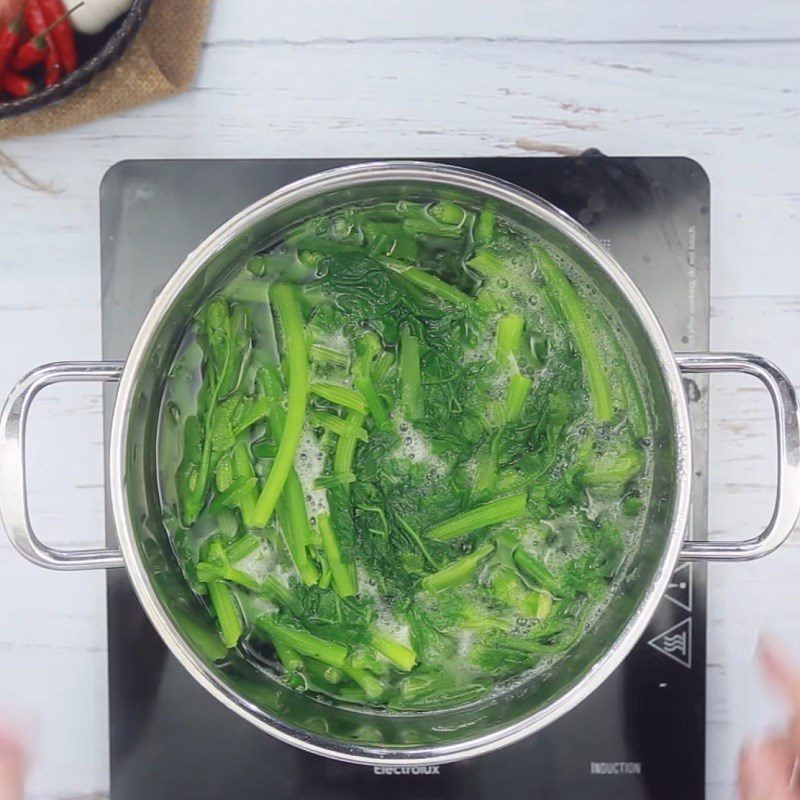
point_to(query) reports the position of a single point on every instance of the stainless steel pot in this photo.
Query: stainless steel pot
(357, 734)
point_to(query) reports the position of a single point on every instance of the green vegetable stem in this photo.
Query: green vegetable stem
(536, 571)
(303, 642)
(400, 655)
(567, 299)
(282, 295)
(291, 504)
(491, 513)
(339, 395)
(343, 573)
(346, 446)
(458, 572)
(484, 227)
(369, 347)
(223, 601)
(336, 425)
(410, 377)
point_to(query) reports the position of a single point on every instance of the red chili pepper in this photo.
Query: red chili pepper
(57, 15)
(17, 85)
(52, 73)
(30, 54)
(34, 18)
(37, 26)
(9, 37)
(34, 50)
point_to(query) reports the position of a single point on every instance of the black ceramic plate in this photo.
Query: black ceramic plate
(95, 53)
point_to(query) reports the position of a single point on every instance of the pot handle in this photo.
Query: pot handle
(787, 500)
(13, 489)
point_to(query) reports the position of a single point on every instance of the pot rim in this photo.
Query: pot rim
(360, 175)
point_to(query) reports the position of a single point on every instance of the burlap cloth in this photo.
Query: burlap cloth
(160, 61)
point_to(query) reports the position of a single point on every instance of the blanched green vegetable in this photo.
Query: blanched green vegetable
(307, 644)
(509, 337)
(401, 656)
(571, 306)
(225, 609)
(343, 573)
(291, 505)
(410, 377)
(340, 395)
(536, 571)
(519, 387)
(387, 466)
(222, 601)
(372, 687)
(484, 227)
(429, 283)
(226, 346)
(346, 447)
(242, 548)
(285, 303)
(291, 660)
(508, 589)
(491, 513)
(457, 572)
(613, 471)
(368, 348)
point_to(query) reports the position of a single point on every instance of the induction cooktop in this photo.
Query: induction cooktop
(640, 736)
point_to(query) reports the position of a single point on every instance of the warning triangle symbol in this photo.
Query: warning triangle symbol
(679, 590)
(676, 643)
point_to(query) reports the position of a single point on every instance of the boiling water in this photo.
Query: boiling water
(423, 467)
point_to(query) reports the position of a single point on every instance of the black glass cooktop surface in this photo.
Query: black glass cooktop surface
(640, 736)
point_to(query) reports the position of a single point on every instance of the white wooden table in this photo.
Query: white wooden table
(717, 81)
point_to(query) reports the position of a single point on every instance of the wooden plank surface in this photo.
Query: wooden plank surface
(715, 81)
